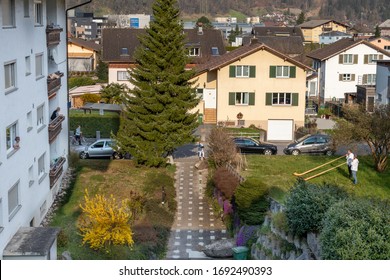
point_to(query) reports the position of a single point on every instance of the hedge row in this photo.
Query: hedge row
(90, 123)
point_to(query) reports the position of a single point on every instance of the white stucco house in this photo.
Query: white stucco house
(383, 82)
(343, 65)
(33, 146)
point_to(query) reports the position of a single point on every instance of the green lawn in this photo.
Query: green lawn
(119, 178)
(277, 173)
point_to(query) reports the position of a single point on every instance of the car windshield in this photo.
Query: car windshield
(302, 138)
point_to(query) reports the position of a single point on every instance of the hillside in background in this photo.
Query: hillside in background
(370, 12)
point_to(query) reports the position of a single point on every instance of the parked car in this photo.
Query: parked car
(247, 145)
(101, 148)
(311, 144)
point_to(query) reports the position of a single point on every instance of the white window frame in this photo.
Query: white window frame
(10, 76)
(13, 200)
(194, 51)
(371, 79)
(8, 13)
(282, 98)
(348, 59)
(241, 98)
(11, 132)
(41, 167)
(29, 121)
(347, 77)
(387, 48)
(242, 71)
(282, 71)
(372, 57)
(40, 116)
(122, 76)
(39, 65)
(38, 13)
(31, 175)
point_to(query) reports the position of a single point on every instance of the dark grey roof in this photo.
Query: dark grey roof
(103, 106)
(31, 241)
(317, 22)
(277, 31)
(114, 39)
(287, 45)
(86, 44)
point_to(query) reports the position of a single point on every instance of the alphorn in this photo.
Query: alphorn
(322, 165)
(327, 170)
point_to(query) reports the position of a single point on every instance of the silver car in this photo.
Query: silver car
(101, 148)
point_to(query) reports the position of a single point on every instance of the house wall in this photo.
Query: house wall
(382, 43)
(259, 114)
(313, 34)
(113, 74)
(75, 49)
(329, 40)
(383, 84)
(27, 39)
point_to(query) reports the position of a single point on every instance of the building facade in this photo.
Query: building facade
(314, 28)
(382, 96)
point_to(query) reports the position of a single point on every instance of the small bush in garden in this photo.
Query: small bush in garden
(62, 239)
(222, 149)
(225, 182)
(356, 229)
(306, 205)
(73, 159)
(252, 202)
(279, 220)
(90, 98)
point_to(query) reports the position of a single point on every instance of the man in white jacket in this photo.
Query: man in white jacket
(354, 169)
(349, 156)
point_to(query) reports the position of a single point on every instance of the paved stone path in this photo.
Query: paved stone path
(195, 223)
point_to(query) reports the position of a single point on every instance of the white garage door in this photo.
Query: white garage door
(280, 130)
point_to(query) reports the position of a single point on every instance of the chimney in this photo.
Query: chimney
(254, 40)
(200, 28)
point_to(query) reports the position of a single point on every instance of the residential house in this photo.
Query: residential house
(33, 146)
(119, 45)
(254, 85)
(75, 94)
(382, 82)
(312, 29)
(381, 42)
(343, 65)
(327, 38)
(384, 27)
(287, 40)
(82, 55)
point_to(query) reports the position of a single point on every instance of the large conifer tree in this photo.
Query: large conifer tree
(157, 118)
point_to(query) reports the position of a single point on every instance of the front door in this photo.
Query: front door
(210, 105)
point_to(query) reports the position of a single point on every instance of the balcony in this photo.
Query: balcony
(53, 35)
(55, 127)
(53, 83)
(56, 170)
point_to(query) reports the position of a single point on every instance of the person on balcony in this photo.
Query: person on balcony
(55, 114)
(16, 142)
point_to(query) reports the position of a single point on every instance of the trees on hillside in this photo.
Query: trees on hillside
(157, 117)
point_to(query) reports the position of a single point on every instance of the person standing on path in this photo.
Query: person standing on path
(78, 134)
(354, 169)
(200, 151)
(349, 156)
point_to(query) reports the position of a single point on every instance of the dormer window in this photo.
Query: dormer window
(194, 51)
(124, 51)
(214, 51)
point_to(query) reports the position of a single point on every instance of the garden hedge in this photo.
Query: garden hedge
(90, 123)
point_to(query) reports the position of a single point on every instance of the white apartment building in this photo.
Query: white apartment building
(33, 83)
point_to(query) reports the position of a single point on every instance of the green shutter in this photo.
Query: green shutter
(366, 59)
(268, 99)
(341, 59)
(293, 71)
(252, 71)
(295, 99)
(232, 98)
(232, 71)
(272, 71)
(355, 59)
(251, 98)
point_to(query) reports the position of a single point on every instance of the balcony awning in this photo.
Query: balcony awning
(80, 55)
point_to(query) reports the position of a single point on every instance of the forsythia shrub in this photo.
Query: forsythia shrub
(106, 222)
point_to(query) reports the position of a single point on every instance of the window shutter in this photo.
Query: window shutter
(353, 77)
(366, 59)
(295, 99)
(252, 71)
(380, 56)
(293, 71)
(272, 71)
(232, 98)
(341, 58)
(340, 77)
(232, 71)
(364, 79)
(355, 59)
(268, 99)
(251, 98)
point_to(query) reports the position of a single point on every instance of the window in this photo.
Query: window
(40, 116)
(26, 8)
(348, 59)
(124, 51)
(242, 98)
(123, 76)
(242, 71)
(387, 48)
(372, 58)
(41, 166)
(29, 121)
(281, 98)
(8, 12)
(39, 65)
(10, 76)
(369, 79)
(38, 12)
(282, 72)
(199, 93)
(214, 51)
(346, 77)
(193, 51)
(99, 145)
(31, 175)
(11, 133)
(13, 200)
(43, 208)
(28, 65)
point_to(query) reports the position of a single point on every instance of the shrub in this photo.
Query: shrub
(90, 98)
(222, 149)
(246, 234)
(225, 182)
(306, 205)
(356, 230)
(251, 200)
(80, 81)
(279, 220)
(107, 124)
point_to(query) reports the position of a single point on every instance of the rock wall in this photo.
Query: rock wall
(273, 243)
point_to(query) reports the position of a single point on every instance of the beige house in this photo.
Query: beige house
(314, 28)
(381, 42)
(257, 85)
(82, 55)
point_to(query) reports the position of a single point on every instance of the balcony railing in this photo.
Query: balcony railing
(55, 127)
(56, 170)
(53, 83)
(53, 35)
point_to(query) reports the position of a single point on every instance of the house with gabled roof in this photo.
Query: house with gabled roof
(254, 85)
(312, 29)
(119, 45)
(82, 54)
(384, 27)
(382, 42)
(343, 65)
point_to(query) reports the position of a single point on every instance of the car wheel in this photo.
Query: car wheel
(295, 152)
(83, 155)
(116, 155)
(268, 152)
(329, 153)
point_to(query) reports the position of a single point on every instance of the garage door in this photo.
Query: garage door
(280, 130)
